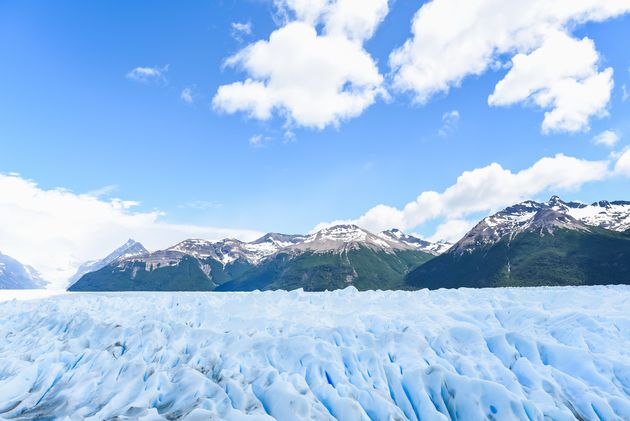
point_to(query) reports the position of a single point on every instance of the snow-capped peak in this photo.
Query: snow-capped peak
(195, 247)
(346, 237)
(415, 242)
(529, 214)
(128, 250)
(614, 216)
(229, 250)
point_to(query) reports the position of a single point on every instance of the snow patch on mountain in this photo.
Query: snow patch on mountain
(348, 237)
(504, 354)
(416, 242)
(614, 216)
(528, 215)
(229, 250)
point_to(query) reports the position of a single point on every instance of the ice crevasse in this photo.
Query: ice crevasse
(560, 353)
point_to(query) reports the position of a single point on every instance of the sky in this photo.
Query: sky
(162, 120)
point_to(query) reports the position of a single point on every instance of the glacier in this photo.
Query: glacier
(555, 353)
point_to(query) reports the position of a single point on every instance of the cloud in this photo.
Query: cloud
(549, 68)
(624, 93)
(240, 30)
(201, 205)
(313, 71)
(452, 230)
(483, 189)
(450, 120)
(622, 167)
(186, 95)
(55, 230)
(572, 88)
(101, 191)
(606, 138)
(259, 140)
(148, 74)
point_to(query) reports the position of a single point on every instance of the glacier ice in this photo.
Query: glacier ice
(527, 354)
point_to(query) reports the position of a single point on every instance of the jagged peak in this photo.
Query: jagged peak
(550, 219)
(555, 213)
(192, 242)
(276, 237)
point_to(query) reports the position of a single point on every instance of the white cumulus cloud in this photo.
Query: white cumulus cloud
(452, 230)
(454, 39)
(313, 70)
(55, 230)
(483, 189)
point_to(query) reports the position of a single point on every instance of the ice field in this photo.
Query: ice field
(498, 354)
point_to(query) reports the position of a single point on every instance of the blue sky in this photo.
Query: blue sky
(72, 117)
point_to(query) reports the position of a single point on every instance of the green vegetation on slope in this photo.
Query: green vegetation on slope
(362, 268)
(567, 257)
(185, 276)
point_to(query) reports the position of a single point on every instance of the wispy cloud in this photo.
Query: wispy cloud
(103, 191)
(606, 138)
(259, 140)
(450, 120)
(240, 30)
(201, 205)
(186, 95)
(148, 74)
(622, 167)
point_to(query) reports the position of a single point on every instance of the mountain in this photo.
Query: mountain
(614, 216)
(230, 250)
(14, 275)
(334, 258)
(532, 243)
(418, 243)
(130, 249)
(331, 258)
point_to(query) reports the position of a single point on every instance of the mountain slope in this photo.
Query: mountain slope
(328, 259)
(184, 274)
(14, 275)
(131, 248)
(514, 248)
(335, 258)
(361, 267)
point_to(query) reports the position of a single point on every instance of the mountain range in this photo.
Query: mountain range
(527, 244)
(331, 258)
(533, 244)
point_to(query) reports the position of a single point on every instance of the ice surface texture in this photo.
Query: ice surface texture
(528, 354)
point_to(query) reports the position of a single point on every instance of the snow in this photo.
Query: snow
(524, 354)
(614, 216)
(414, 241)
(341, 238)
